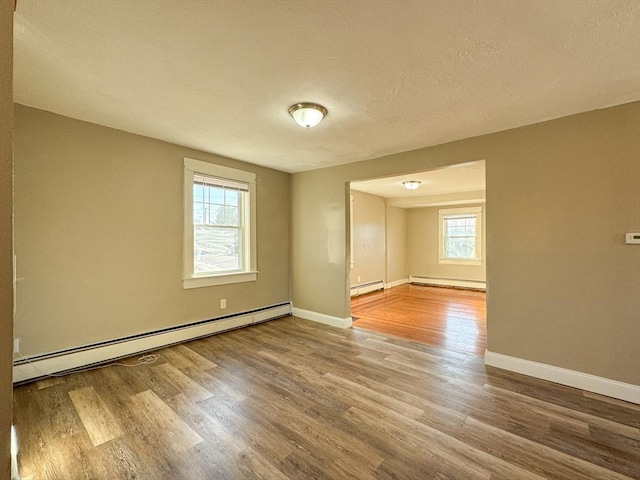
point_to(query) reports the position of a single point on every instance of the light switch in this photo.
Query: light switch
(633, 238)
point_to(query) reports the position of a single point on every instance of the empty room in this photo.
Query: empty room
(418, 256)
(193, 209)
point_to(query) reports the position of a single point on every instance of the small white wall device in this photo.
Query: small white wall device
(633, 238)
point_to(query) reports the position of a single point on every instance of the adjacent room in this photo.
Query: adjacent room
(319, 240)
(418, 256)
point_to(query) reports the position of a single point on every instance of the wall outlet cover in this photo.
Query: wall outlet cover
(633, 238)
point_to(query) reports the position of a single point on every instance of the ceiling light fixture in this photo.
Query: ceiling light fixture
(307, 115)
(411, 184)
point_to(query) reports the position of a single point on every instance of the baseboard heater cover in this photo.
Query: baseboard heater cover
(63, 361)
(396, 283)
(367, 287)
(448, 282)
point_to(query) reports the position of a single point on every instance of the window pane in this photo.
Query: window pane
(216, 195)
(460, 247)
(216, 249)
(232, 216)
(198, 193)
(471, 227)
(460, 241)
(458, 231)
(460, 227)
(216, 215)
(231, 197)
(198, 213)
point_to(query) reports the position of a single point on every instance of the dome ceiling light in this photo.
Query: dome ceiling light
(306, 114)
(411, 184)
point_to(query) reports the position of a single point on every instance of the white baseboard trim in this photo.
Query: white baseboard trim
(322, 318)
(563, 376)
(43, 365)
(396, 283)
(448, 282)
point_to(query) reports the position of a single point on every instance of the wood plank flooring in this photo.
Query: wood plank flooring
(453, 319)
(293, 399)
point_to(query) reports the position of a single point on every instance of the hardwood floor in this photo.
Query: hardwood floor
(293, 399)
(453, 319)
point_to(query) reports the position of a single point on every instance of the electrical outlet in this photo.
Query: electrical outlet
(223, 303)
(358, 277)
(16, 345)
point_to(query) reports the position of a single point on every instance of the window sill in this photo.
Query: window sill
(223, 279)
(448, 261)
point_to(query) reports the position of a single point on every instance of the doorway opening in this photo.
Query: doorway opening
(418, 256)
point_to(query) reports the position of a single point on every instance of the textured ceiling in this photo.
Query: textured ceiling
(395, 75)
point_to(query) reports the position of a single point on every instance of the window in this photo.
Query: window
(219, 225)
(460, 235)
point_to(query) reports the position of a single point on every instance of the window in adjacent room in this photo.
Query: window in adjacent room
(460, 235)
(219, 225)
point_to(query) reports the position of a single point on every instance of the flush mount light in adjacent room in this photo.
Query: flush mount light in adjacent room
(411, 184)
(307, 115)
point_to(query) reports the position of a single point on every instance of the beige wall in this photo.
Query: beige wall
(562, 285)
(369, 238)
(396, 244)
(6, 245)
(98, 235)
(422, 246)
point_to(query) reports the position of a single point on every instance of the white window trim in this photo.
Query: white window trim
(460, 211)
(249, 274)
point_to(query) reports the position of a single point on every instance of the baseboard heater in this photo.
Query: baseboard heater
(448, 282)
(68, 360)
(367, 287)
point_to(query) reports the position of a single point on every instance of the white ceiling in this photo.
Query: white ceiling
(466, 177)
(395, 75)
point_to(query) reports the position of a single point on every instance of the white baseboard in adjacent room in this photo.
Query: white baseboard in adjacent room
(396, 283)
(448, 282)
(42, 365)
(322, 318)
(563, 376)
